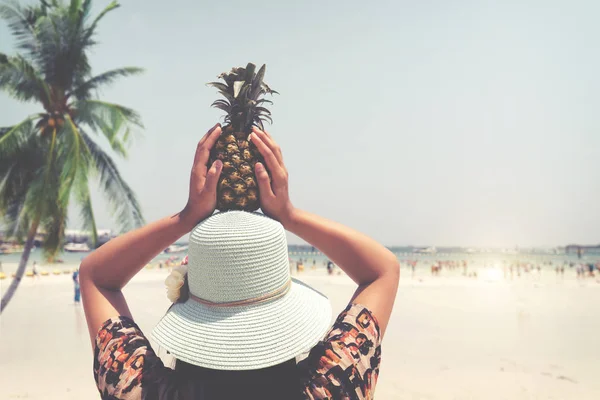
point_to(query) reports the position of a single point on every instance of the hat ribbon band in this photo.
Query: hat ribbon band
(275, 294)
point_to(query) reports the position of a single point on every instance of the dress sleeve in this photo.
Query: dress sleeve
(345, 365)
(125, 366)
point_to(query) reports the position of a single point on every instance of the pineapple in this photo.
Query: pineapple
(244, 104)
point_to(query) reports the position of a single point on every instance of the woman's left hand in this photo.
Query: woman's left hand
(202, 199)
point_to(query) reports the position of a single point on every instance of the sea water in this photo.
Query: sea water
(319, 260)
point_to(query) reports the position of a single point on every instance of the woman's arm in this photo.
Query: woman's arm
(108, 269)
(373, 267)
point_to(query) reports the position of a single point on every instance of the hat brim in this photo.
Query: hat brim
(246, 337)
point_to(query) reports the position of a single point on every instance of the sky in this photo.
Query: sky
(462, 123)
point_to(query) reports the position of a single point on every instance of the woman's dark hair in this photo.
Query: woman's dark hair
(279, 382)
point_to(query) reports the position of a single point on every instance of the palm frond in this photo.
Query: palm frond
(54, 224)
(17, 170)
(114, 110)
(30, 191)
(114, 121)
(61, 56)
(22, 22)
(18, 228)
(21, 81)
(21, 173)
(84, 200)
(89, 32)
(118, 193)
(48, 195)
(13, 138)
(86, 8)
(106, 78)
(14, 217)
(38, 165)
(74, 9)
(12, 199)
(73, 159)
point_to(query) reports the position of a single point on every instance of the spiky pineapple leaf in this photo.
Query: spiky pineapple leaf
(221, 101)
(262, 110)
(268, 118)
(221, 86)
(243, 90)
(237, 88)
(250, 68)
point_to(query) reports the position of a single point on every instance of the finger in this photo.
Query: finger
(206, 144)
(197, 178)
(277, 171)
(203, 152)
(264, 184)
(268, 140)
(212, 177)
(211, 130)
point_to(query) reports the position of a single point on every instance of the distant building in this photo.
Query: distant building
(78, 236)
(581, 249)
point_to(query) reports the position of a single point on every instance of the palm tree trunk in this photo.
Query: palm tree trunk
(22, 264)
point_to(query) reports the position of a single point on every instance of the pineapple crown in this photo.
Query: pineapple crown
(244, 103)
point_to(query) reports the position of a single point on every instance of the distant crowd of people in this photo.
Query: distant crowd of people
(586, 269)
(300, 265)
(509, 269)
(467, 268)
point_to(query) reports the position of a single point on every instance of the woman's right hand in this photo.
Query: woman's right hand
(202, 198)
(274, 195)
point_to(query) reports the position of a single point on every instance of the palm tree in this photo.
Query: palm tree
(47, 160)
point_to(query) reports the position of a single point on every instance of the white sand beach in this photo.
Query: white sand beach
(450, 337)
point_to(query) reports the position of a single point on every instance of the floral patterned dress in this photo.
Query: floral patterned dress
(343, 366)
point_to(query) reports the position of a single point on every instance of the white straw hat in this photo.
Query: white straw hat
(244, 311)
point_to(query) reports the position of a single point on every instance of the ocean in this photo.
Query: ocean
(545, 261)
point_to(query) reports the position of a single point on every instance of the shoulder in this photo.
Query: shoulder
(345, 364)
(125, 366)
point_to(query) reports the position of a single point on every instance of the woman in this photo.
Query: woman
(238, 331)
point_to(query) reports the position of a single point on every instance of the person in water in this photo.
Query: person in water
(36, 273)
(329, 267)
(239, 324)
(76, 286)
